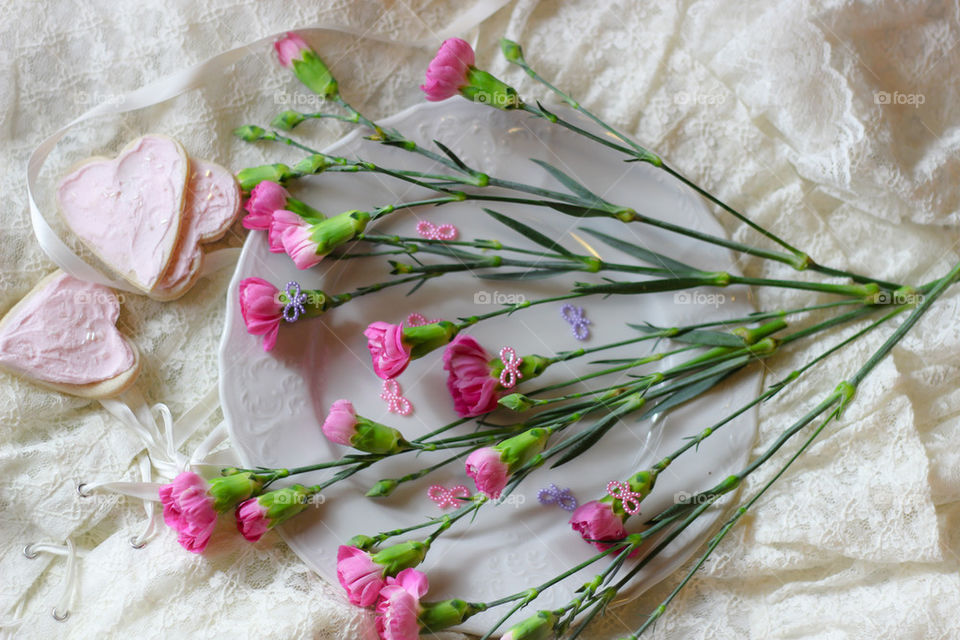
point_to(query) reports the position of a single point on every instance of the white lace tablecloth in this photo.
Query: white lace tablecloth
(836, 123)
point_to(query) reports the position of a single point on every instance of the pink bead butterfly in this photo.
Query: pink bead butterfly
(447, 497)
(430, 231)
(511, 368)
(629, 498)
(396, 403)
(418, 320)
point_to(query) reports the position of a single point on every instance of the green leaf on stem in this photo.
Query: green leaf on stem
(701, 337)
(692, 391)
(530, 234)
(644, 255)
(453, 157)
(575, 187)
(532, 274)
(641, 286)
(580, 211)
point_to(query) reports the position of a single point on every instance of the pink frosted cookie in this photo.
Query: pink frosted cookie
(212, 205)
(63, 335)
(128, 209)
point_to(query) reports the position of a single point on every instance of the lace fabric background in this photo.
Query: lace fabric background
(835, 123)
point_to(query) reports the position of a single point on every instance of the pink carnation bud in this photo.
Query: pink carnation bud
(265, 198)
(252, 520)
(447, 71)
(188, 509)
(341, 422)
(488, 471)
(596, 521)
(261, 310)
(290, 233)
(399, 606)
(290, 48)
(388, 351)
(360, 576)
(469, 380)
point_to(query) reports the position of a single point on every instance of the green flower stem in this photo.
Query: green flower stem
(475, 503)
(481, 438)
(416, 475)
(320, 115)
(796, 259)
(593, 265)
(628, 365)
(801, 258)
(717, 538)
(408, 244)
(443, 429)
(564, 262)
(533, 592)
(620, 550)
(339, 299)
(837, 401)
(772, 390)
(469, 321)
(612, 211)
(448, 521)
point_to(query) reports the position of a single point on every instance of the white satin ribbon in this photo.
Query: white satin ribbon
(170, 87)
(61, 611)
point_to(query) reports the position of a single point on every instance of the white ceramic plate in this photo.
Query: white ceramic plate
(275, 402)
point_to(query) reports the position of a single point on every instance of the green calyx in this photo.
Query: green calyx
(373, 437)
(484, 88)
(312, 164)
(304, 210)
(641, 483)
(362, 542)
(252, 176)
(283, 504)
(516, 402)
(531, 367)
(315, 74)
(317, 302)
(336, 230)
(229, 491)
(287, 120)
(520, 449)
(429, 337)
(536, 627)
(382, 488)
(436, 616)
(250, 133)
(512, 51)
(398, 557)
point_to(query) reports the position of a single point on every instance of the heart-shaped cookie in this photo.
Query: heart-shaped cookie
(63, 335)
(128, 209)
(212, 205)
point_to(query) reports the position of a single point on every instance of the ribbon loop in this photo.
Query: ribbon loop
(628, 497)
(511, 368)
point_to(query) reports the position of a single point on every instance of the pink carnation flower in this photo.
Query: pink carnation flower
(447, 71)
(188, 509)
(291, 233)
(596, 521)
(473, 388)
(388, 351)
(290, 48)
(399, 606)
(360, 576)
(265, 198)
(341, 422)
(488, 471)
(252, 520)
(261, 310)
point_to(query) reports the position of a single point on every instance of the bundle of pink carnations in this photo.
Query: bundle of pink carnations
(516, 424)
